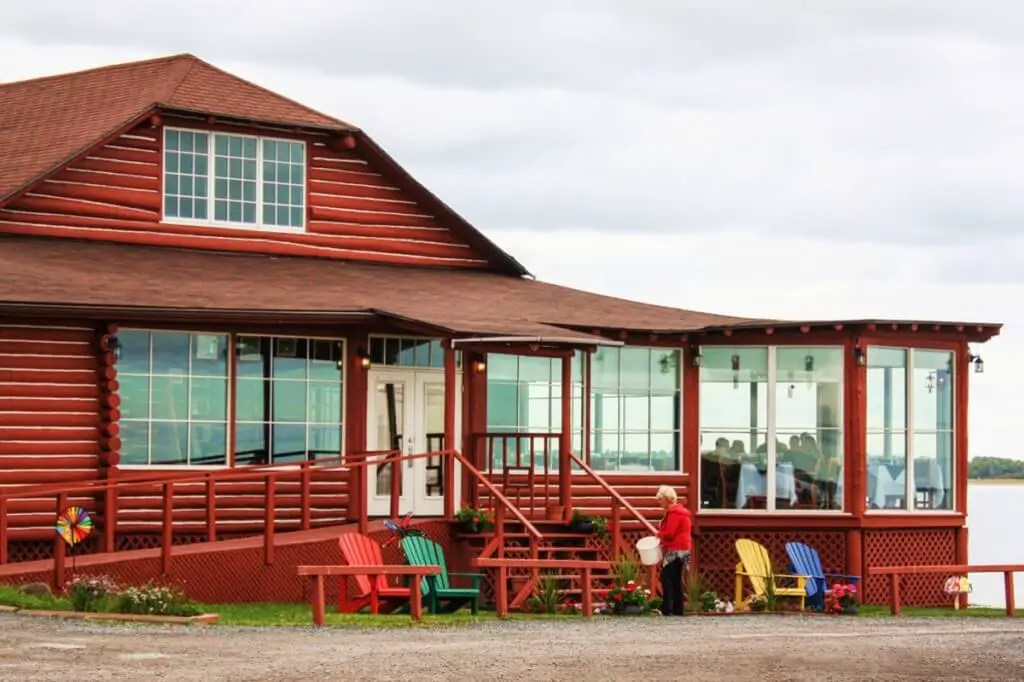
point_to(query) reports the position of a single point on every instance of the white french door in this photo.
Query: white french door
(405, 412)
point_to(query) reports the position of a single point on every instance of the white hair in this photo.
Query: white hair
(666, 493)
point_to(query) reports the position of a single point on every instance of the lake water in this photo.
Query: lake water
(995, 538)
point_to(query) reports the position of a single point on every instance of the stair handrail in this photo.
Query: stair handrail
(535, 534)
(614, 493)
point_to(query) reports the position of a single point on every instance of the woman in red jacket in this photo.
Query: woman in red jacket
(674, 533)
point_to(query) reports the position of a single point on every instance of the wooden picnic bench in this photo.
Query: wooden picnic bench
(895, 572)
(371, 572)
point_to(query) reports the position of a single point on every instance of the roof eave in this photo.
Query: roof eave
(339, 126)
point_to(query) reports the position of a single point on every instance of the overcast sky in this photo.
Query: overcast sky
(787, 159)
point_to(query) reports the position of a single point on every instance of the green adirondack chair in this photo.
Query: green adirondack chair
(437, 589)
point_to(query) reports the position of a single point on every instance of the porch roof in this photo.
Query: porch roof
(64, 273)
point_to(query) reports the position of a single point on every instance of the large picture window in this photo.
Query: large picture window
(289, 399)
(909, 428)
(174, 397)
(524, 395)
(234, 180)
(771, 419)
(634, 409)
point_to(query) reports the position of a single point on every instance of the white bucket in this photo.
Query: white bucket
(649, 549)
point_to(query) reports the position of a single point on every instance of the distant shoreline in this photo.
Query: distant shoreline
(997, 481)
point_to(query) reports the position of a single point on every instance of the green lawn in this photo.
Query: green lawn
(873, 611)
(301, 614)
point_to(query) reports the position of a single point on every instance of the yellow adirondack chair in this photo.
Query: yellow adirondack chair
(756, 565)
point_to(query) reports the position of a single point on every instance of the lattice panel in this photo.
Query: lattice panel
(909, 547)
(29, 550)
(717, 558)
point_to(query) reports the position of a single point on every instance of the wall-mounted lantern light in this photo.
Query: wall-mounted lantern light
(479, 366)
(364, 357)
(979, 364)
(109, 343)
(696, 359)
(860, 356)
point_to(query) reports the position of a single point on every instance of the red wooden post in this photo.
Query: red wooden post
(269, 520)
(59, 577)
(451, 391)
(894, 593)
(587, 600)
(109, 517)
(396, 484)
(616, 531)
(501, 593)
(565, 442)
(1011, 607)
(3, 531)
(374, 595)
(416, 600)
(167, 527)
(319, 601)
(653, 584)
(306, 483)
(499, 529)
(211, 509)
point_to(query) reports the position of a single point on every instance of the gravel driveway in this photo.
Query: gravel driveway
(735, 649)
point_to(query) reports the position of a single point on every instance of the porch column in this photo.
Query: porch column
(451, 388)
(565, 442)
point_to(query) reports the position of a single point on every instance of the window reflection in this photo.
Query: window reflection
(801, 450)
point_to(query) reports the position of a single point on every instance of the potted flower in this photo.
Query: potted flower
(842, 600)
(631, 599)
(581, 523)
(470, 520)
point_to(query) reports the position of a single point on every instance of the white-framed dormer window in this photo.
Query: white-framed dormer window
(229, 180)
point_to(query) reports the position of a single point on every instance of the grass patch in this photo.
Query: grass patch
(12, 596)
(882, 611)
(302, 615)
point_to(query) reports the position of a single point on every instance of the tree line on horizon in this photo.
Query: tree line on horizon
(995, 467)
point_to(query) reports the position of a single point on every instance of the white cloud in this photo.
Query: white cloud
(780, 159)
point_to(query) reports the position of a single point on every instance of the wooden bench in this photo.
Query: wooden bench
(416, 591)
(895, 572)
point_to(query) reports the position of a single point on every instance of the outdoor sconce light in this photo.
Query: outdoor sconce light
(735, 363)
(809, 363)
(979, 364)
(860, 356)
(696, 359)
(479, 366)
(364, 357)
(111, 344)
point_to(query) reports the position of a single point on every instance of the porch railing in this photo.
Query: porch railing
(522, 464)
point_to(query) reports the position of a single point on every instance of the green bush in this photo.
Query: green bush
(94, 594)
(157, 600)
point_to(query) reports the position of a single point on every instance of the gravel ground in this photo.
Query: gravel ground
(734, 649)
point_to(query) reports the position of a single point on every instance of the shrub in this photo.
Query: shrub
(94, 594)
(157, 600)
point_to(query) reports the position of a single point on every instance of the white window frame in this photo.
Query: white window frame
(771, 430)
(210, 221)
(908, 434)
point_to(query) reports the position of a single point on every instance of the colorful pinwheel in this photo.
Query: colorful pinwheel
(400, 529)
(74, 525)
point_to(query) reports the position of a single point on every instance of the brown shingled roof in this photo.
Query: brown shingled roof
(64, 272)
(45, 122)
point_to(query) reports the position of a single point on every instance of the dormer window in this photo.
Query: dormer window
(227, 180)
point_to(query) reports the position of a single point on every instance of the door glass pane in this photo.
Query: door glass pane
(389, 417)
(433, 422)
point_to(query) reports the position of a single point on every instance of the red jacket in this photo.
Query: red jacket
(675, 529)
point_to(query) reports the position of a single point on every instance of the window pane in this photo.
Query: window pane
(933, 390)
(324, 440)
(170, 398)
(134, 352)
(733, 478)
(665, 412)
(933, 470)
(185, 163)
(170, 353)
(249, 400)
(134, 393)
(732, 398)
(252, 353)
(209, 399)
(284, 179)
(134, 442)
(289, 442)
(502, 406)
(290, 358)
(604, 450)
(324, 403)
(887, 463)
(636, 413)
(501, 367)
(664, 370)
(209, 355)
(323, 361)
(209, 444)
(635, 369)
(887, 388)
(250, 444)
(604, 371)
(170, 442)
(234, 178)
(538, 369)
(664, 450)
(289, 401)
(809, 388)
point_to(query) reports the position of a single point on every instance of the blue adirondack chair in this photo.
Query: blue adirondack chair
(805, 560)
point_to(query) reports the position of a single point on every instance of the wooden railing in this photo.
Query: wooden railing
(895, 572)
(618, 503)
(586, 569)
(521, 464)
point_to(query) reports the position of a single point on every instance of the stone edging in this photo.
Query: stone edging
(203, 619)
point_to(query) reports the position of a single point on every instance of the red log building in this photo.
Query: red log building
(226, 316)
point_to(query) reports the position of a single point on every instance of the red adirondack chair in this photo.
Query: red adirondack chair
(359, 550)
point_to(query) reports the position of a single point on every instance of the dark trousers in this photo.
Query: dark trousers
(672, 588)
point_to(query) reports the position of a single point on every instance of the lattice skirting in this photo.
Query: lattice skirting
(909, 547)
(716, 553)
